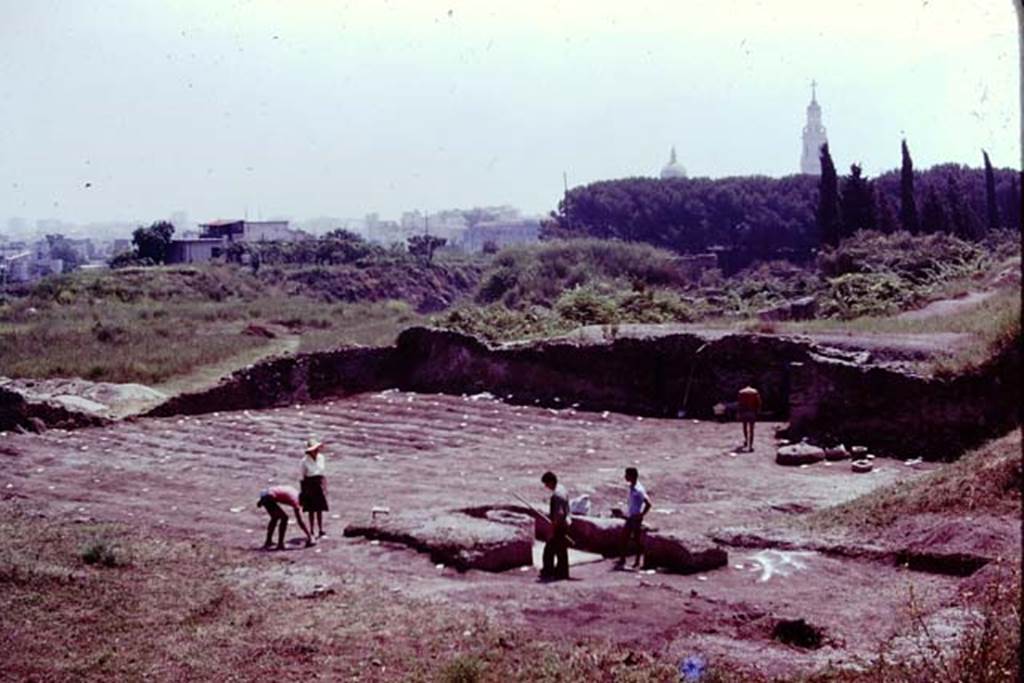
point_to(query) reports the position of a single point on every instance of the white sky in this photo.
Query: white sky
(307, 108)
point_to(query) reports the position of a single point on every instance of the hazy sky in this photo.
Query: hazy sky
(306, 108)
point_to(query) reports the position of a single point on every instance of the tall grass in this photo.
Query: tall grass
(152, 325)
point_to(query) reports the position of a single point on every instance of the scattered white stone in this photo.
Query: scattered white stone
(237, 509)
(702, 578)
(375, 542)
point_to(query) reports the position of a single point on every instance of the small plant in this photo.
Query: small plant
(104, 554)
(463, 669)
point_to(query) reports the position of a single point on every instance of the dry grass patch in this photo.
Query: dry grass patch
(985, 480)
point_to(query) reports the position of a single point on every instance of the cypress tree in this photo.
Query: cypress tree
(828, 200)
(908, 205)
(990, 194)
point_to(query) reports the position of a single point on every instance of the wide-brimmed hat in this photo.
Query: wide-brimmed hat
(313, 444)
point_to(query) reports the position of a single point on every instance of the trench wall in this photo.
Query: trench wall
(292, 379)
(827, 396)
(656, 376)
(18, 413)
(902, 414)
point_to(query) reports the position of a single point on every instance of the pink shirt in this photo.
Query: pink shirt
(285, 495)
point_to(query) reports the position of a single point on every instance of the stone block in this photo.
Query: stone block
(456, 539)
(683, 553)
(799, 454)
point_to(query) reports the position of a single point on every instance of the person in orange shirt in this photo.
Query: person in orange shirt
(748, 405)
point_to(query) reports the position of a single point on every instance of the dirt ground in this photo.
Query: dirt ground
(201, 475)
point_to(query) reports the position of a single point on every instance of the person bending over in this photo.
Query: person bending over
(271, 500)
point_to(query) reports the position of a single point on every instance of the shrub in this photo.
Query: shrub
(102, 553)
(463, 669)
(587, 306)
(854, 295)
(655, 306)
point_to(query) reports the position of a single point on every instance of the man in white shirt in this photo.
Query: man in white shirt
(638, 504)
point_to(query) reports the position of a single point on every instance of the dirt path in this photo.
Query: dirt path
(201, 475)
(209, 375)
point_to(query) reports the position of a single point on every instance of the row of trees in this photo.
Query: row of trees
(758, 217)
(957, 200)
(150, 246)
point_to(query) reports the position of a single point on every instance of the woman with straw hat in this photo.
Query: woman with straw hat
(314, 484)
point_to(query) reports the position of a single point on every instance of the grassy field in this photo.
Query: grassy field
(154, 325)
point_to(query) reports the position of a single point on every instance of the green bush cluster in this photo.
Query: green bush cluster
(538, 274)
(582, 305)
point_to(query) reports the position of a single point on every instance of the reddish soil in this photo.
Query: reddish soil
(201, 475)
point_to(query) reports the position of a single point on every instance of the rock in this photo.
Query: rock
(599, 535)
(799, 454)
(837, 453)
(803, 308)
(254, 330)
(683, 553)
(457, 539)
(799, 633)
(861, 466)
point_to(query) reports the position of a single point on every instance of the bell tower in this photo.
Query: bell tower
(814, 136)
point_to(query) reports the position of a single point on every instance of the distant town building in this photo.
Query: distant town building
(814, 136)
(215, 236)
(120, 246)
(198, 250)
(673, 169)
(501, 233)
(250, 231)
(15, 266)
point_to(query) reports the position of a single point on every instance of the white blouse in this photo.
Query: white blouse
(313, 467)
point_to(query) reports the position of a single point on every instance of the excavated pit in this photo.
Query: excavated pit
(829, 395)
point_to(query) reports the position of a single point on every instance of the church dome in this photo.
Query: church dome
(673, 169)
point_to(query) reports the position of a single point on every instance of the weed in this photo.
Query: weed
(463, 669)
(103, 553)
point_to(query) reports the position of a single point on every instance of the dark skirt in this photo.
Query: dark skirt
(313, 496)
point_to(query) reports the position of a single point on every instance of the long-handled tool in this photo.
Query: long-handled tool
(541, 515)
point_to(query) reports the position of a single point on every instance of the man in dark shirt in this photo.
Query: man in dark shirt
(556, 550)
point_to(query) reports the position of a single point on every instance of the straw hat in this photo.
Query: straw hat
(313, 444)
